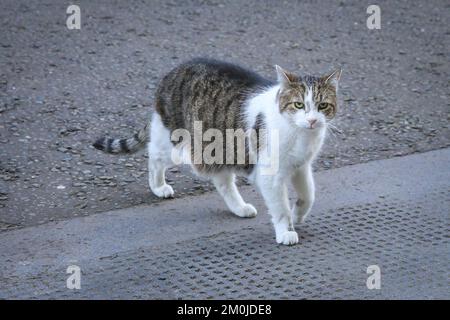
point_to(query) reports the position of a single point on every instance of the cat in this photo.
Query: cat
(222, 96)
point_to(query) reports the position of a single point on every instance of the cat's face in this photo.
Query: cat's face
(308, 102)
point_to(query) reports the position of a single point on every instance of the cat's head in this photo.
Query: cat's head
(308, 102)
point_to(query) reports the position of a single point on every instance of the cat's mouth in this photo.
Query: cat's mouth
(313, 127)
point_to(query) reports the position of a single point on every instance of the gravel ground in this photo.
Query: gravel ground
(60, 88)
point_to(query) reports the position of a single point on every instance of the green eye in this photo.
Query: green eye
(323, 106)
(298, 105)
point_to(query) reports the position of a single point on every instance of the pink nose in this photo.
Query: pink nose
(312, 122)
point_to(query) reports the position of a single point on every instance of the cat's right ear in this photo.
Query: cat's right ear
(284, 77)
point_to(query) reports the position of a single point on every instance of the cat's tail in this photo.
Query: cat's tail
(127, 145)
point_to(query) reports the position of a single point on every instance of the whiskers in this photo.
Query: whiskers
(333, 130)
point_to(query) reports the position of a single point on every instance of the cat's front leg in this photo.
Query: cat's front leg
(274, 192)
(303, 183)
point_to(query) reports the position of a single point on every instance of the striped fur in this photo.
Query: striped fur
(213, 92)
(125, 145)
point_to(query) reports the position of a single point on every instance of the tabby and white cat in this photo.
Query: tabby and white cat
(225, 96)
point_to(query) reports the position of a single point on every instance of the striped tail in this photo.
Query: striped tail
(129, 145)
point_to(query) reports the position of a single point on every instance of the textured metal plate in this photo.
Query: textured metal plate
(408, 241)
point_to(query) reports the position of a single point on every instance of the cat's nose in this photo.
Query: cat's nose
(312, 122)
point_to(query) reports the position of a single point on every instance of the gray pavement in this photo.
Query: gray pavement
(392, 213)
(60, 89)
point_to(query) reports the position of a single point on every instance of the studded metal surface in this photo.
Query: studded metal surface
(408, 241)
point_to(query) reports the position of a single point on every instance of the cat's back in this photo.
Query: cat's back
(206, 90)
(208, 73)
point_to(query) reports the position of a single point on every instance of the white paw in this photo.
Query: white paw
(288, 238)
(246, 211)
(165, 191)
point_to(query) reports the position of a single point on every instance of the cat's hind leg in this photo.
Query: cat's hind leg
(226, 186)
(159, 158)
(157, 180)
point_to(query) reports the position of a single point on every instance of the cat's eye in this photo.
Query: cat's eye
(324, 106)
(298, 105)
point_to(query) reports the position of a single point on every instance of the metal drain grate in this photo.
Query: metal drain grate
(408, 241)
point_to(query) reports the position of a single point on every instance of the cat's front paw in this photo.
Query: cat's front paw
(246, 211)
(288, 238)
(164, 191)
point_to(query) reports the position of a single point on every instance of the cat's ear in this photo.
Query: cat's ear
(333, 77)
(284, 77)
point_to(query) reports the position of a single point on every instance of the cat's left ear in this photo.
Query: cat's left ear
(333, 77)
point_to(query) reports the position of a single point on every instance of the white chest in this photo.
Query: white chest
(300, 150)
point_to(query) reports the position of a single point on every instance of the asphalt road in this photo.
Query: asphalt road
(60, 88)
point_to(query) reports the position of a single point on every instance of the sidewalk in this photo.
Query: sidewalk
(391, 213)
